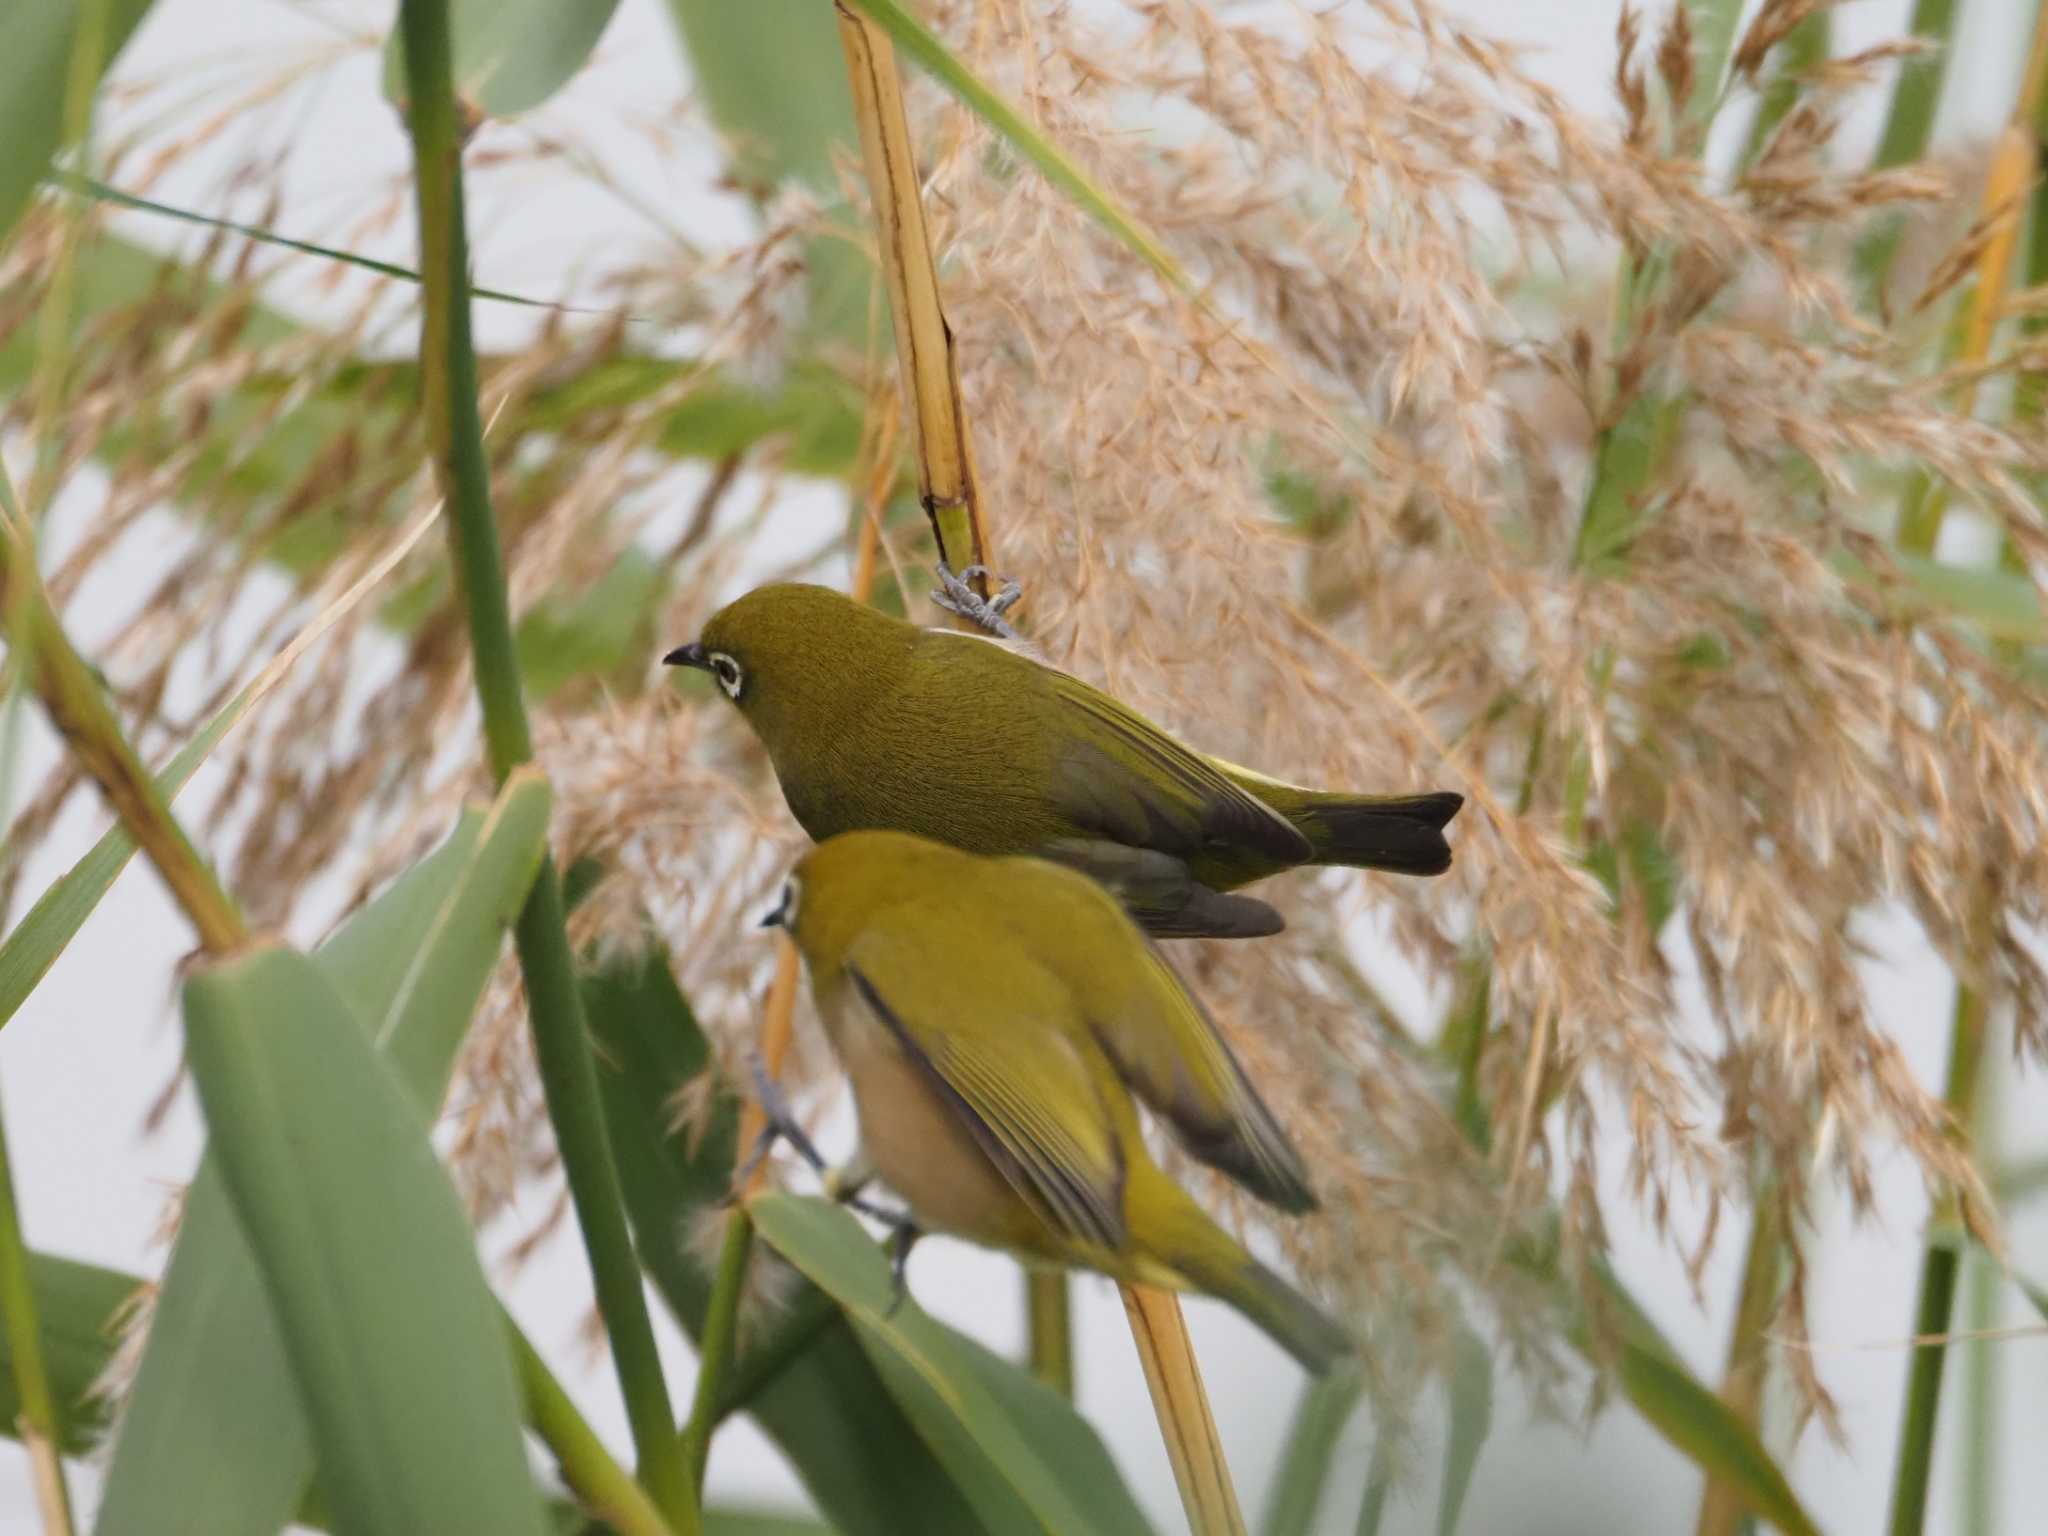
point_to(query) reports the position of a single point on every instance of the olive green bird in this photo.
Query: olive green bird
(871, 721)
(995, 1017)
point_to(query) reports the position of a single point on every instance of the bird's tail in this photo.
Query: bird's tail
(1404, 833)
(1206, 1258)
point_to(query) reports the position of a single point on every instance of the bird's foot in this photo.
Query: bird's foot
(956, 594)
(902, 1233)
(781, 1125)
(845, 1185)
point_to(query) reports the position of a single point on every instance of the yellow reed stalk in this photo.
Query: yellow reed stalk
(952, 499)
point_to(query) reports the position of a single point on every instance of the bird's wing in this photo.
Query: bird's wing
(1169, 1050)
(1019, 1082)
(1118, 774)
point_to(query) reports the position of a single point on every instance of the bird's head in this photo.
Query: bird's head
(794, 657)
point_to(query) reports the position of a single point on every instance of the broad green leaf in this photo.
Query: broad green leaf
(1020, 1453)
(510, 55)
(1325, 1406)
(773, 78)
(1471, 1421)
(45, 47)
(214, 1442)
(78, 1314)
(51, 924)
(1053, 163)
(366, 1255)
(861, 1461)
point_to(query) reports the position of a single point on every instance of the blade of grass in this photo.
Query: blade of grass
(1379, 1482)
(99, 192)
(38, 1422)
(1325, 1406)
(1052, 162)
(1471, 1421)
(561, 1040)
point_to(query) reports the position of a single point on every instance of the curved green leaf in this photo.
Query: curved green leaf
(774, 81)
(1471, 1422)
(1324, 1408)
(78, 1314)
(40, 47)
(366, 1256)
(1020, 1453)
(214, 1442)
(511, 55)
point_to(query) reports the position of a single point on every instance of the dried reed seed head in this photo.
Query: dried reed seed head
(1366, 459)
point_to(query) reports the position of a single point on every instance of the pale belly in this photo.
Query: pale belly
(920, 1146)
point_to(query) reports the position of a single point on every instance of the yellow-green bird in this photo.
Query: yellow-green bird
(874, 722)
(995, 1017)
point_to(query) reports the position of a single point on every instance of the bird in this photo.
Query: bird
(875, 722)
(995, 1018)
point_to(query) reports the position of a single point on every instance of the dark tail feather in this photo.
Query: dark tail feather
(1398, 832)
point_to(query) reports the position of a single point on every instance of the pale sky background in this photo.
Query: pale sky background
(83, 1061)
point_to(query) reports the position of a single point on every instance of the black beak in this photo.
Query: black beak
(780, 915)
(691, 655)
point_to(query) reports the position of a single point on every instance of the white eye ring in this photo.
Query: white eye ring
(728, 673)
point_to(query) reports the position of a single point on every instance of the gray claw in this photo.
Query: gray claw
(956, 596)
(782, 1124)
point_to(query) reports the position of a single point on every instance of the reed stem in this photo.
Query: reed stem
(561, 1041)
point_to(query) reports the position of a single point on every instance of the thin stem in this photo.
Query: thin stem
(77, 706)
(1722, 1507)
(604, 1487)
(715, 1343)
(1915, 1458)
(1983, 1299)
(1050, 1304)
(561, 1041)
(764, 1360)
(38, 1423)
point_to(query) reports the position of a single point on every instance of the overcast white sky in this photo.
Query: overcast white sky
(86, 1057)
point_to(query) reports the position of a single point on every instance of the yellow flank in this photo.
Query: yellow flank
(994, 1017)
